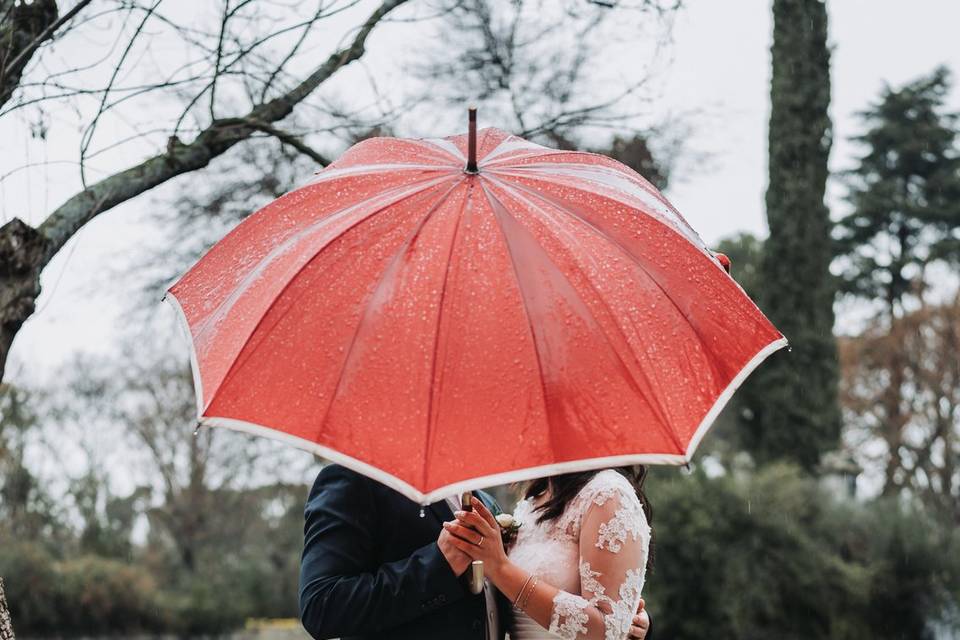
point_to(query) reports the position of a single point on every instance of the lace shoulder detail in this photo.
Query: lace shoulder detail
(628, 518)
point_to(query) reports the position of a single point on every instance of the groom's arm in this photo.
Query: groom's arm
(343, 590)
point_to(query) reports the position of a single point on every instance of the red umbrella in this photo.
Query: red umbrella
(442, 328)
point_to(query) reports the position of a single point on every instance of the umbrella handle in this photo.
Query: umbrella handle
(475, 570)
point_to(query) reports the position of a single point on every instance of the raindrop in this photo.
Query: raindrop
(196, 431)
(422, 514)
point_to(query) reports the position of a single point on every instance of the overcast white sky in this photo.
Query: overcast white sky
(720, 67)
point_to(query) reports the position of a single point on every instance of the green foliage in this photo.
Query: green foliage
(773, 556)
(205, 604)
(106, 530)
(83, 595)
(99, 595)
(792, 410)
(26, 510)
(915, 563)
(745, 251)
(905, 193)
(30, 579)
(249, 570)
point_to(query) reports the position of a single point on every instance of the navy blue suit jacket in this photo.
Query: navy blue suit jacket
(371, 567)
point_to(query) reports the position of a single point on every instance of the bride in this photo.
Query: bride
(577, 567)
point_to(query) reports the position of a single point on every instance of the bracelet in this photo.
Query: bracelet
(520, 593)
(526, 599)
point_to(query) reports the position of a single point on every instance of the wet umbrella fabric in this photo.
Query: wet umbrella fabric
(440, 330)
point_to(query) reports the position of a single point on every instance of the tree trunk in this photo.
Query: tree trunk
(24, 26)
(22, 250)
(6, 624)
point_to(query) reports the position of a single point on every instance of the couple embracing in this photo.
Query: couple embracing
(377, 566)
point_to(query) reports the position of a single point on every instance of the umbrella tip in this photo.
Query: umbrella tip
(471, 140)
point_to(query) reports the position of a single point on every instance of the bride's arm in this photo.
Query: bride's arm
(613, 549)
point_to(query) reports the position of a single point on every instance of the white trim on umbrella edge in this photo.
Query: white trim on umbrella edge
(455, 488)
(194, 362)
(471, 484)
(728, 392)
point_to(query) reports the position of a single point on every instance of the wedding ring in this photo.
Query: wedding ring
(480, 544)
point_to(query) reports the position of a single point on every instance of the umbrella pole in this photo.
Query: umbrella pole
(472, 141)
(475, 570)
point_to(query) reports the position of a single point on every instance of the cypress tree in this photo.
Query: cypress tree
(790, 408)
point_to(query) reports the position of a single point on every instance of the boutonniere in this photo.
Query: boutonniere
(509, 526)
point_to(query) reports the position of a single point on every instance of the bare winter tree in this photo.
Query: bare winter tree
(547, 91)
(236, 82)
(247, 73)
(193, 474)
(916, 421)
(536, 67)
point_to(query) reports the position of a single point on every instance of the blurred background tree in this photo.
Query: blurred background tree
(901, 389)
(790, 408)
(893, 247)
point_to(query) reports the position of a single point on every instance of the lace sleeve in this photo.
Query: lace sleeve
(614, 541)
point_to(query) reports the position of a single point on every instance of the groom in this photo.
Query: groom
(372, 567)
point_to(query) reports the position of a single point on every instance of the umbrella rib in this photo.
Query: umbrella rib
(534, 153)
(337, 173)
(237, 363)
(363, 317)
(526, 312)
(603, 234)
(227, 303)
(654, 405)
(436, 340)
(659, 209)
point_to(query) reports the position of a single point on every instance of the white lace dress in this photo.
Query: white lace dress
(595, 553)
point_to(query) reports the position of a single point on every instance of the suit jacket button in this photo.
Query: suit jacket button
(442, 598)
(477, 624)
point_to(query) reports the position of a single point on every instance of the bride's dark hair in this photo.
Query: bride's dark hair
(566, 486)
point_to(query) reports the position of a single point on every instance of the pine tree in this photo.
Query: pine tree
(905, 195)
(791, 410)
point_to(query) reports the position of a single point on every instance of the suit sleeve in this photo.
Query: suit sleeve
(343, 589)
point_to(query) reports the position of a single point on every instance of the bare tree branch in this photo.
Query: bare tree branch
(285, 137)
(25, 251)
(23, 28)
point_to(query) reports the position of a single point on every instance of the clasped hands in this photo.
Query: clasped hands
(475, 535)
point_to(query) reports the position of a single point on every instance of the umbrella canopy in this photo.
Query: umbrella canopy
(442, 329)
